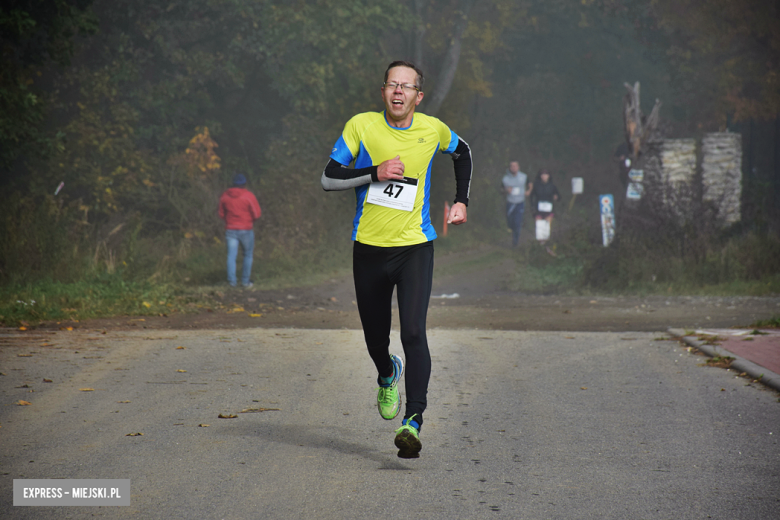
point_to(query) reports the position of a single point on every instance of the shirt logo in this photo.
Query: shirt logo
(421, 140)
(334, 150)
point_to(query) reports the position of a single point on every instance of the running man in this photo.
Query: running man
(393, 236)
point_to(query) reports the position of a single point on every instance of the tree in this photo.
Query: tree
(33, 34)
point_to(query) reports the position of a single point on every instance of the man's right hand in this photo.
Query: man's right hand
(391, 170)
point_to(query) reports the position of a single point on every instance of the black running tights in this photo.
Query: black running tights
(377, 270)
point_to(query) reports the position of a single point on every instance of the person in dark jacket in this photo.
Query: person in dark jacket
(239, 208)
(544, 195)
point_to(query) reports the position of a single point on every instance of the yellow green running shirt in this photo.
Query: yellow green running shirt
(369, 140)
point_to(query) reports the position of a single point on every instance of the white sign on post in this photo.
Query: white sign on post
(577, 185)
(394, 194)
(635, 188)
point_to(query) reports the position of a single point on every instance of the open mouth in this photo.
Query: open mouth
(398, 103)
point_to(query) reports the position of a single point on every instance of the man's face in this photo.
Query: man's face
(514, 167)
(400, 102)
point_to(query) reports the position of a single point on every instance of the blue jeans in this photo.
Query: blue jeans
(514, 219)
(247, 240)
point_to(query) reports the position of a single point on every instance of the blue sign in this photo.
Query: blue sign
(607, 205)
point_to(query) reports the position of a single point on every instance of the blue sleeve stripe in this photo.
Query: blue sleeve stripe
(341, 153)
(453, 142)
(426, 226)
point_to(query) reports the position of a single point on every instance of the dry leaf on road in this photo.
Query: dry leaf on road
(87, 389)
(256, 410)
(228, 416)
(136, 434)
(23, 403)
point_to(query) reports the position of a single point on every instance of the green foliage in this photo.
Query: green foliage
(107, 295)
(33, 34)
(771, 323)
(159, 107)
(38, 236)
(742, 264)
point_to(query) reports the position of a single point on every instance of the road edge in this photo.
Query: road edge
(763, 375)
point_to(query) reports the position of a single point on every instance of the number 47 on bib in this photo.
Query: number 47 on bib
(394, 194)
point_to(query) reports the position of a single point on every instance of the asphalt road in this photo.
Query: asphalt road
(522, 425)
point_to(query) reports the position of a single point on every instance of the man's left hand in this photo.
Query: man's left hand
(457, 214)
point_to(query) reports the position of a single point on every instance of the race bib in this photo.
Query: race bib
(515, 191)
(545, 207)
(393, 194)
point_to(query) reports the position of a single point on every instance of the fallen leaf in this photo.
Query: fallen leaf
(23, 403)
(583, 388)
(180, 348)
(87, 389)
(228, 416)
(180, 370)
(146, 304)
(136, 434)
(333, 299)
(123, 401)
(69, 328)
(45, 380)
(22, 328)
(593, 301)
(255, 315)
(237, 309)
(257, 410)
(24, 355)
(569, 337)
(204, 425)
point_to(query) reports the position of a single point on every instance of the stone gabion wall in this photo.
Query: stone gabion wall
(722, 173)
(678, 160)
(670, 168)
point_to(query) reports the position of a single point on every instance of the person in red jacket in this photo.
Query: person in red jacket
(239, 209)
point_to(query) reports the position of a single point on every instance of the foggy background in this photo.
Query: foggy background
(144, 110)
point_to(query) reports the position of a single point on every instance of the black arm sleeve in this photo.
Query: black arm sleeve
(461, 158)
(337, 177)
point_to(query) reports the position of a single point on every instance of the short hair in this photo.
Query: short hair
(401, 63)
(542, 172)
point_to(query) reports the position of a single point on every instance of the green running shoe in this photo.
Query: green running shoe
(407, 439)
(388, 400)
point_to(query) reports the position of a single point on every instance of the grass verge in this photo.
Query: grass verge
(771, 323)
(22, 305)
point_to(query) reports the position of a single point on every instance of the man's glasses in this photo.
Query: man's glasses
(405, 87)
